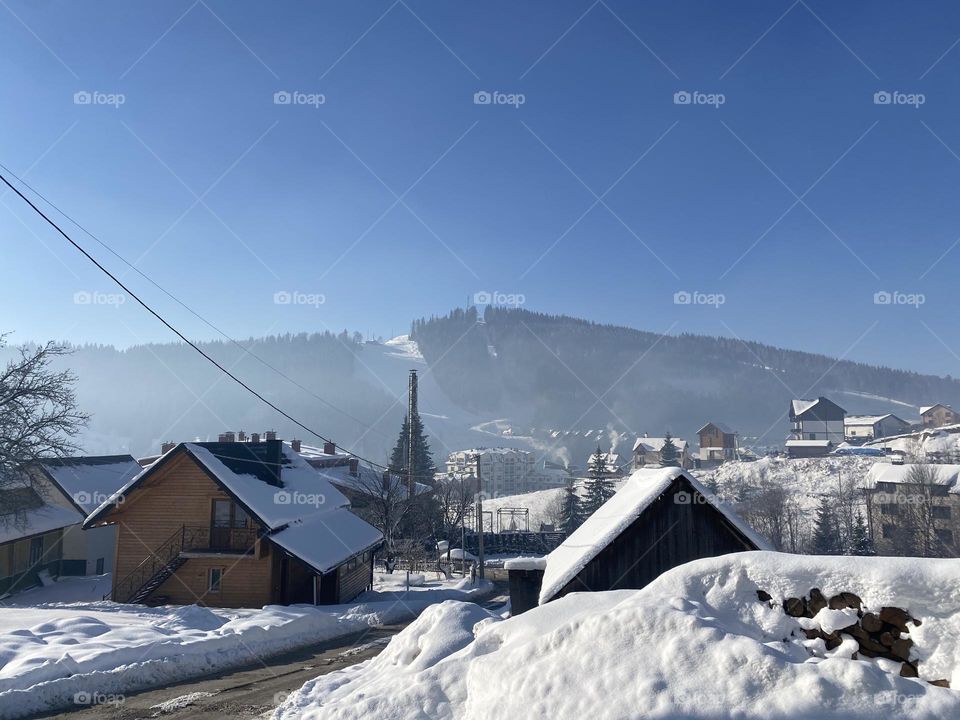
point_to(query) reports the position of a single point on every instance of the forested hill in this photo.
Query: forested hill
(549, 371)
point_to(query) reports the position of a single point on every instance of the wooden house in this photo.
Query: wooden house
(933, 416)
(236, 524)
(646, 452)
(816, 427)
(658, 520)
(718, 443)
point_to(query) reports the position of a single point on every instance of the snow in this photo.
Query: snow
(801, 406)
(34, 521)
(49, 652)
(90, 481)
(65, 589)
(651, 444)
(695, 643)
(327, 539)
(525, 563)
(612, 518)
(403, 348)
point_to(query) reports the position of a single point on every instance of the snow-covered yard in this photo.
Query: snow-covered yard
(698, 642)
(58, 641)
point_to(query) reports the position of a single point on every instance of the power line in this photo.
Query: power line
(184, 305)
(174, 330)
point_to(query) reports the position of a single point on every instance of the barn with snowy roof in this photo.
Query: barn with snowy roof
(660, 518)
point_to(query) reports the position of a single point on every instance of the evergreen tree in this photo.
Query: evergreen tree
(599, 486)
(860, 543)
(572, 513)
(825, 530)
(669, 455)
(423, 518)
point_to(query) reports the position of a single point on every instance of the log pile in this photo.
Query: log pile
(884, 634)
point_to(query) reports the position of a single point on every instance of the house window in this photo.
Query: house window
(214, 579)
(889, 531)
(36, 550)
(945, 536)
(889, 509)
(940, 512)
(99, 570)
(886, 486)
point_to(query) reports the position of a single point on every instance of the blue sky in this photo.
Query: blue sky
(399, 197)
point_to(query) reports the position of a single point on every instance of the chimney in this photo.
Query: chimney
(271, 435)
(274, 459)
(295, 444)
(329, 448)
(167, 447)
(354, 466)
(386, 480)
(241, 436)
(222, 437)
(255, 437)
(229, 436)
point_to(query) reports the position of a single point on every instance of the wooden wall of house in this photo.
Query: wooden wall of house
(669, 533)
(179, 494)
(355, 576)
(524, 589)
(17, 573)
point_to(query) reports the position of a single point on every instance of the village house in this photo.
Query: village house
(816, 427)
(911, 518)
(658, 520)
(40, 530)
(646, 452)
(718, 443)
(860, 428)
(236, 524)
(610, 464)
(934, 416)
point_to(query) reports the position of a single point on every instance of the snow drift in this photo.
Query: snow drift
(695, 643)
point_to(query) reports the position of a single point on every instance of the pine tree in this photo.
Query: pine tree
(424, 467)
(571, 515)
(860, 543)
(825, 530)
(599, 486)
(669, 455)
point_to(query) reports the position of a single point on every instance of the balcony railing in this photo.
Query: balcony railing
(219, 540)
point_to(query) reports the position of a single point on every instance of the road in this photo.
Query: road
(253, 691)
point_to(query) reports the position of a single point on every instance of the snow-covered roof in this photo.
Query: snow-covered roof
(88, 481)
(722, 427)
(305, 504)
(867, 419)
(807, 443)
(327, 539)
(801, 406)
(37, 520)
(887, 472)
(655, 444)
(924, 409)
(640, 490)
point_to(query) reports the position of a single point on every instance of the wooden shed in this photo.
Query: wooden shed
(658, 520)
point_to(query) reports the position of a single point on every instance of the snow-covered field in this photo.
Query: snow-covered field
(808, 479)
(695, 643)
(50, 651)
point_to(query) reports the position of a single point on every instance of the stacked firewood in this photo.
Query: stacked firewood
(884, 634)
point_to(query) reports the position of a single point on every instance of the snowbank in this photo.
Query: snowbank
(695, 643)
(49, 654)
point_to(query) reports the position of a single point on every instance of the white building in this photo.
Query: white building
(870, 427)
(505, 471)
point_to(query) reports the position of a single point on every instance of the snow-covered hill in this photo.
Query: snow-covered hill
(696, 643)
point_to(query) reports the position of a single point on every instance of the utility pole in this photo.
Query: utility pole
(479, 514)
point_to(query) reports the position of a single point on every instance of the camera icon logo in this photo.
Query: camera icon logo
(282, 297)
(682, 498)
(682, 298)
(882, 298)
(482, 97)
(682, 97)
(282, 497)
(82, 98)
(282, 97)
(482, 298)
(882, 97)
